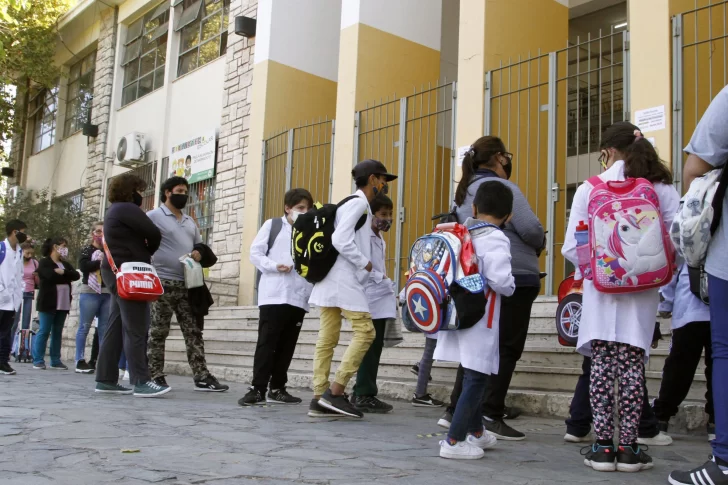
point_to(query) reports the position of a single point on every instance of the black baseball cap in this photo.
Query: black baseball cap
(369, 167)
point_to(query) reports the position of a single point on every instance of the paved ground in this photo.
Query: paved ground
(54, 429)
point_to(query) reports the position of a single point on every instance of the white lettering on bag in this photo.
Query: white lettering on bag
(146, 285)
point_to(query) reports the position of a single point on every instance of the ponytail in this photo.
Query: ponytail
(481, 154)
(641, 161)
(464, 183)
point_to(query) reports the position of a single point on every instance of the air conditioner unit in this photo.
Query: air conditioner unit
(131, 150)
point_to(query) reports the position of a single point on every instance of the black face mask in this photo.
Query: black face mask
(508, 169)
(178, 200)
(21, 237)
(137, 199)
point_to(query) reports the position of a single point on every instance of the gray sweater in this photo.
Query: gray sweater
(524, 230)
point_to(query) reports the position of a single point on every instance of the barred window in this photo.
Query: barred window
(80, 94)
(43, 115)
(145, 53)
(203, 38)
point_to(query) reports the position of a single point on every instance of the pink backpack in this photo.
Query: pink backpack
(630, 247)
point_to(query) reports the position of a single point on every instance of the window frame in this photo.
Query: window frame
(200, 19)
(81, 117)
(44, 95)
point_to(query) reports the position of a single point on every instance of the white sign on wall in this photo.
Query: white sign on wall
(650, 119)
(462, 151)
(194, 159)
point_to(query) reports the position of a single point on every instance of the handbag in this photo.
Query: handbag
(135, 281)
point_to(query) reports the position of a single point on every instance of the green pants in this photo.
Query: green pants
(366, 377)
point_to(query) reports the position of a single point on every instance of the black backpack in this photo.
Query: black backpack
(311, 248)
(276, 224)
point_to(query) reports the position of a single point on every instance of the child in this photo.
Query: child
(283, 301)
(30, 281)
(11, 288)
(421, 397)
(476, 348)
(617, 329)
(382, 306)
(690, 335)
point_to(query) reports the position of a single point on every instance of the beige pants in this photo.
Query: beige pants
(328, 339)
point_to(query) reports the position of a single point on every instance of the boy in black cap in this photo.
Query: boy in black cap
(342, 292)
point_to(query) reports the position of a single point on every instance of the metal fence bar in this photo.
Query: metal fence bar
(677, 100)
(551, 171)
(488, 100)
(289, 160)
(453, 150)
(331, 159)
(401, 166)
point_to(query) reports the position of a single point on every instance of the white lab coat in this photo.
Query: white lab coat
(477, 347)
(278, 288)
(11, 279)
(625, 318)
(343, 287)
(680, 301)
(379, 288)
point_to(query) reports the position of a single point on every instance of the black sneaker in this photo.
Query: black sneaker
(59, 366)
(370, 404)
(415, 369)
(83, 368)
(210, 384)
(631, 459)
(600, 458)
(6, 370)
(511, 412)
(445, 419)
(160, 381)
(502, 431)
(710, 472)
(315, 410)
(426, 401)
(339, 404)
(252, 398)
(92, 364)
(281, 396)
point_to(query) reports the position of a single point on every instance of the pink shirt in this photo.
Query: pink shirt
(28, 278)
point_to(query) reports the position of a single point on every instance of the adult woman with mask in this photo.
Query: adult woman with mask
(130, 237)
(486, 160)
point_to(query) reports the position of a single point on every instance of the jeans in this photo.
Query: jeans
(27, 310)
(366, 376)
(278, 331)
(51, 324)
(90, 305)
(718, 292)
(467, 417)
(423, 377)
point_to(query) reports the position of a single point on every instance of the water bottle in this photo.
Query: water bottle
(583, 252)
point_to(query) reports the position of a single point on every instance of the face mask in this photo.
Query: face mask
(294, 215)
(21, 237)
(137, 198)
(508, 169)
(382, 224)
(63, 252)
(179, 200)
(383, 188)
(99, 240)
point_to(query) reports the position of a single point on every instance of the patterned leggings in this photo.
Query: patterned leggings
(612, 360)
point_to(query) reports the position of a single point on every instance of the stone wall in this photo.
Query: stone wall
(232, 158)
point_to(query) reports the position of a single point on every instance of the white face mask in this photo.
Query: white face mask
(294, 215)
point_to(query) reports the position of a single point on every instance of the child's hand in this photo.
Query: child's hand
(282, 268)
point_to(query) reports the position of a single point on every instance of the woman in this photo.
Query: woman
(54, 301)
(94, 298)
(130, 237)
(30, 282)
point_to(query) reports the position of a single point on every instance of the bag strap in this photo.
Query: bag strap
(362, 220)
(108, 256)
(718, 200)
(275, 228)
(595, 181)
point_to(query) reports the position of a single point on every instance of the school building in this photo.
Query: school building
(248, 98)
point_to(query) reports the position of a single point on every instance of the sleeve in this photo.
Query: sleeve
(710, 138)
(669, 203)
(344, 235)
(47, 272)
(667, 294)
(495, 265)
(524, 221)
(85, 264)
(71, 274)
(259, 248)
(579, 212)
(143, 225)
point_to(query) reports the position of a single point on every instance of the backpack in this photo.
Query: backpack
(2, 251)
(630, 247)
(276, 224)
(444, 290)
(313, 253)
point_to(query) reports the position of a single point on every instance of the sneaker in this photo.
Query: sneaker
(370, 404)
(39, 366)
(281, 396)
(160, 381)
(92, 364)
(633, 460)
(59, 366)
(125, 377)
(210, 384)
(462, 450)
(486, 440)
(339, 404)
(511, 412)
(150, 389)
(710, 472)
(103, 388)
(445, 420)
(572, 438)
(252, 398)
(661, 439)
(83, 368)
(5, 369)
(415, 369)
(600, 458)
(710, 428)
(426, 401)
(315, 410)
(502, 431)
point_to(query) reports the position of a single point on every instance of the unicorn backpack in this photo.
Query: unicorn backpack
(629, 244)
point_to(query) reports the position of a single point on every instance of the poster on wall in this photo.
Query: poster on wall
(194, 159)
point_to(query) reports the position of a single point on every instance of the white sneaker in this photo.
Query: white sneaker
(570, 438)
(126, 375)
(662, 439)
(462, 450)
(486, 441)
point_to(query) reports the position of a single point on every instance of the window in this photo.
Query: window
(145, 53)
(43, 113)
(203, 38)
(80, 94)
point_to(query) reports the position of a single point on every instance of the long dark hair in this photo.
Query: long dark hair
(480, 155)
(48, 244)
(640, 158)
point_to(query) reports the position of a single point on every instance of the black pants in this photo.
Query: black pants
(278, 332)
(7, 318)
(127, 331)
(95, 346)
(686, 348)
(366, 376)
(580, 420)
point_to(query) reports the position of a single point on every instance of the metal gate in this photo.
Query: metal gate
(425, 120)
(550, 110)
(699, 71)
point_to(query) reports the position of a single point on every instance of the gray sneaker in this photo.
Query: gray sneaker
(150, 389)
(103, 388)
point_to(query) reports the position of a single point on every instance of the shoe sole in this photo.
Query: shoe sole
(633, 468)
(39, 368)
(58, 368)
(488, 446)
(250, 405)
(570, 438)
(318, 414)
(89, 371)
(157, 394)
(651, 442)
(455, 456)
(205, 389)
(445, 424)
(7, 373)
(121, 393)
(424, 405)
(375, 410)
(273, 401)
(331, 407)
(601, 467)
(506, 438)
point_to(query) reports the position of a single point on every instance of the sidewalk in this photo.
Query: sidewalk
(55, 430)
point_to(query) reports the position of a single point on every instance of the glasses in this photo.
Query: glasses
(508, 156)
(99, 231)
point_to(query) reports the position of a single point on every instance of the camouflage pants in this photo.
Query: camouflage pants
(175, 301)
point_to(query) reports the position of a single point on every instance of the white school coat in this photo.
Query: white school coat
(628, 317)
(278, 288)
(477, 347)
(680, 301)
(11, 278)
(343, 287)
(379, 288)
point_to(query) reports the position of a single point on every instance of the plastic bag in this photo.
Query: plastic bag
(194, 277)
